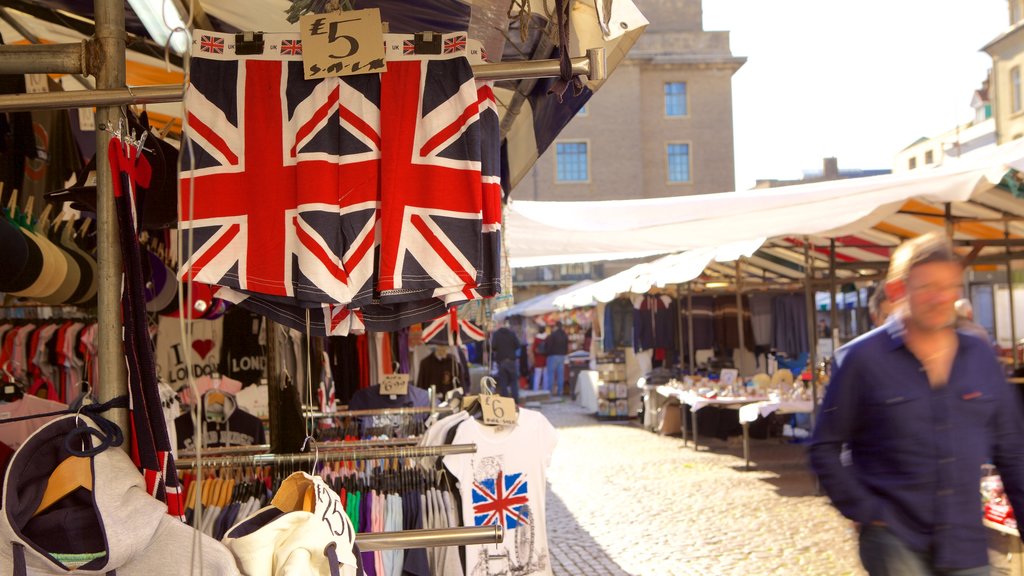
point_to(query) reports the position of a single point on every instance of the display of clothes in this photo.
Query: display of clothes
(618, 324)
(50, 357)
(226, 424)
(440, 368)
(243, 350)
(655, 325)
(203, 359)
(727, 330)
(382, 426)
(391, 279)
(116, 527)
(502, 483)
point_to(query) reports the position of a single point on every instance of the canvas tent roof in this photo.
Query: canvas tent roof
(542, 304)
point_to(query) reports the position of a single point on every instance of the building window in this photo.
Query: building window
(675, 99)
(912, 163)
(929, 157)
(678, 162)
(572, 162)
(1015, 87)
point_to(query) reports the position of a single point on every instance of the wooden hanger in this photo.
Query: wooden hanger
(73, 473)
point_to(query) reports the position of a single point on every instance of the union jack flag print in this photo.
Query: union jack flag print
(431, 238)
(450, 330)
(284, 180)
(291, 47)
(454, 44)
(502, 500)
(211, 44)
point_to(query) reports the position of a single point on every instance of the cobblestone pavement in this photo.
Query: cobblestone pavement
(624, 501)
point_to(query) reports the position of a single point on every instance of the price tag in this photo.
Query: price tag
(36, 83)
(87, 119)
(468, 400)
(342, 44)
(394, 385)
(498, 410)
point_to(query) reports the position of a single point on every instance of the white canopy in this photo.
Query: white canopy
(541, 233)
(542, 304)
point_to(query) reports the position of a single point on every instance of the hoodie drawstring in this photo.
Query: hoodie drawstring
(19, 561)
(331, 553)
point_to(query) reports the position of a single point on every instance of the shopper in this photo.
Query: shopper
(556, 347)
(504, 345)
(879, 306)
(539, 358)
(965, 321)
(921, 408)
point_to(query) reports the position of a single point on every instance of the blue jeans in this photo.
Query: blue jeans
(553, 373)
(883, 554)
(508, 379)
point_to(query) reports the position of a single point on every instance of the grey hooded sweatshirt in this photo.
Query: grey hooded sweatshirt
(116, 529)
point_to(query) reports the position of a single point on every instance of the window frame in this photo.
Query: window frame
(586, 144)
(685, 99)
(689, 162)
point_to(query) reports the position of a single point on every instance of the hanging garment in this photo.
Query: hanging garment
(232, 426)
(789, 315)
(504, 484)
(116, 527)
(207, 336)
(243, 352)
(618, 324)
(761, 318)
(286, 538)
(727, 331)
(13, 434)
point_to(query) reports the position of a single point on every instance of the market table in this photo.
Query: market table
(753, 411)
(696, 402)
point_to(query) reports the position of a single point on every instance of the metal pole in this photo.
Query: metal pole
(949, 220)
(833, 311)
(592, 65)
(689, 326)
(461, 536)
(812, 335)
(110, 47)
(679, 323)
(52, 58)
(1013, 311)
(28, 35)
(739, 313)
(90, 98)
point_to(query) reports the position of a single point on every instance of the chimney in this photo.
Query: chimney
(830, 169)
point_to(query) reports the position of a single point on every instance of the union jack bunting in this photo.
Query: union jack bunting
(431, 239)
(284, 176)
(450, 330)
(292, 47)
(501, 500)
(211, 44)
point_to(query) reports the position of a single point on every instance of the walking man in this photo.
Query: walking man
(504, 345)
(556, 347)
(921, 407)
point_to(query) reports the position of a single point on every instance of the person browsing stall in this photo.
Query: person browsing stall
(556, 347)
(921, 406)
(504, 345)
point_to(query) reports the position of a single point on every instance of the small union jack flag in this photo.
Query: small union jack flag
(501, 500)
(408, 47)
(211, 44)
(455, 44)
(291, 47)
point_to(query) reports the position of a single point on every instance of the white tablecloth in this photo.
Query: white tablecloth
(751, 412)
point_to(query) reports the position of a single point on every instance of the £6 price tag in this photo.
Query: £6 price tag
(498, 410)
(394, 385)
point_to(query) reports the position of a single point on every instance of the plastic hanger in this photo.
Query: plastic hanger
(73, 473)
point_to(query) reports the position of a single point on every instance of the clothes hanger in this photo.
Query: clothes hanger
(73, 473)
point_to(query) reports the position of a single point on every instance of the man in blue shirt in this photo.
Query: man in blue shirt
(921, 407)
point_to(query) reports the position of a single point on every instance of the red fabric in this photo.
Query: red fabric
(539, 360)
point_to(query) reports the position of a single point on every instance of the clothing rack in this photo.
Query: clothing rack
(322, 446)
(34, 58)
(391, 411)
(464, 536)
(330, 456)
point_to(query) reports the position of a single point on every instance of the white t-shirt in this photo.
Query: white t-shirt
(170, 353)
(504, 482)
(255, 400)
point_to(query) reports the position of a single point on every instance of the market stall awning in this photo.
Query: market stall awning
(530, 118)
(542, 304)
(885, 208)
